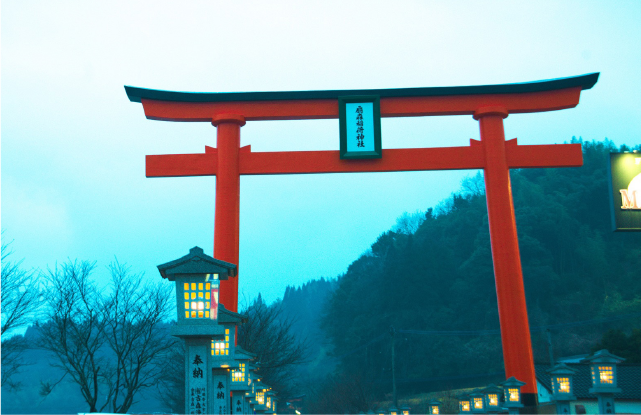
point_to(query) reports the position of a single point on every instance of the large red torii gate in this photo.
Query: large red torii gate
(489, 104)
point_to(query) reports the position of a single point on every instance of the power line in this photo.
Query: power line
(491, 332)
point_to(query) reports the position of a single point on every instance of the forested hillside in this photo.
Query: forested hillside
(580, 278)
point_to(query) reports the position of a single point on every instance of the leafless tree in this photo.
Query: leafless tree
(269, 335)
(74, 332)
(20, 299)
(134, 314)
(408, 223)
(110, 344)
(473, 185)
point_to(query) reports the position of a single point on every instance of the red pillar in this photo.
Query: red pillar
(226, 225)
(515, 329)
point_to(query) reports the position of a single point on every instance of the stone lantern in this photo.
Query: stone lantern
(250, 396)
(512, 391)
(434, 407)
(270, 401)
(492, 398)
(197, 278)
(393, 410)
(562, 387)
(405, 410)
(603, 366)
(241, 380)
(464, 404)
(260, 389)
(477, 402)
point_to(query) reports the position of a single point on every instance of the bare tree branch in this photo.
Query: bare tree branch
(134, 314)
(269, 335)
(20, 300)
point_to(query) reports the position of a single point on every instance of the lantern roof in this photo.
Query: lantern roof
(242, 354)
(435, 402)
(229, 317)
(603, 356)
(491, 388)
(561, 369)
(512, 381)
(197, 262)
(476, 393)
(258, 385)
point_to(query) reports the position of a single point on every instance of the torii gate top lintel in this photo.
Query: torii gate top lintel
(537, 96)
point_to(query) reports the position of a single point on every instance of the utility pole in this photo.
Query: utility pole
(392, 332)
(549, 335)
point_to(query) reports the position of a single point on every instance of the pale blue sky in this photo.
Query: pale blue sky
(73, 146)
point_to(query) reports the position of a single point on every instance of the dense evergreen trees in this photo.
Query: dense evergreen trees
(440, 278)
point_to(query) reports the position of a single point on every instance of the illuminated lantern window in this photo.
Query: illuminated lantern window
(564, 384)
(493, 399)
(393, 411)
(238, 375)
(220, 347)
(478, 403)
(606, 374)
(197, 299)
(464, 404)
(513, 394)
(405, 410)
(260, 397)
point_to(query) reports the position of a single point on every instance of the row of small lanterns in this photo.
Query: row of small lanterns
(488, 400)
(404, 410)
(604, 384)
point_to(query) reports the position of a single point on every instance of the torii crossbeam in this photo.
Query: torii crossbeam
(489, 104)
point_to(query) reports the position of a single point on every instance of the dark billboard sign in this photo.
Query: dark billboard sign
(625, 191)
